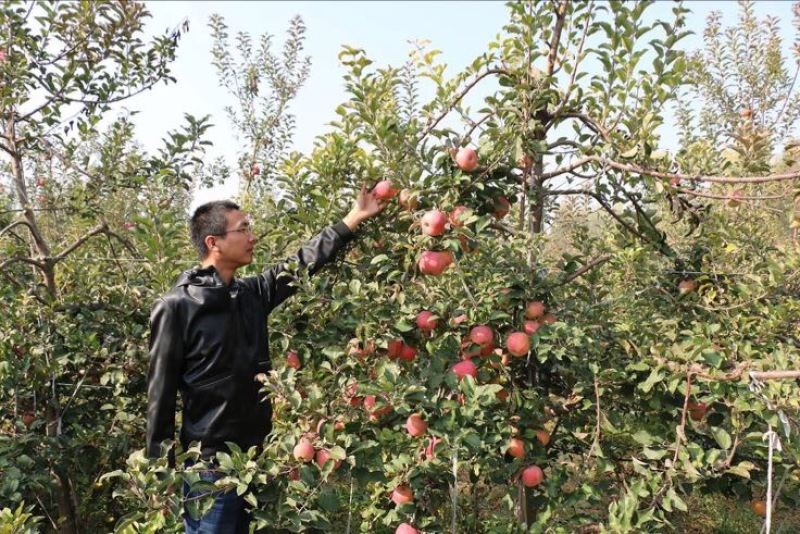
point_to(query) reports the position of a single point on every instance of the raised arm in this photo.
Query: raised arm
(319, 251)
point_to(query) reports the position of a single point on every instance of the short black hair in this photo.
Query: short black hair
(209, 219)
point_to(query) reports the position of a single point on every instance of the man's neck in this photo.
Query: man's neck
(225, 272)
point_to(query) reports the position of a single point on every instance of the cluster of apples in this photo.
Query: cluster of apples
(433, 223)
(305, 452)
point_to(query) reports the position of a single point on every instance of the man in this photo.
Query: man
(208, 340)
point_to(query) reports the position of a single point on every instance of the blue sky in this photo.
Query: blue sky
(461, 30)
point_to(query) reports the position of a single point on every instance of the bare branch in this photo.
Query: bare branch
(564, 142)
(100, 228)
(6, 149)
(561, 13)
(476, 124)
(578, 59)
(125, 241)
(13, 224)
(21, 259)
(775, 375)
(726, 197)
(432, 124)
(592, 124)
(503, 228)
(636, 169)
(583, 270)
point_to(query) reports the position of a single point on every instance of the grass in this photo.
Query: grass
(717, 514)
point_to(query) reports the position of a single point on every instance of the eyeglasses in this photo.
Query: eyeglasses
(246, 229)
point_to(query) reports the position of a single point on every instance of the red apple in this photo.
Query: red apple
(548, 318)
(41, 181)
(543, 436)
(383, 190)
(433, 263)
(457, 216)
(322, 457)
(395, 349)
(28, 418)
(464, 368)
(687, 286)
(501, 207)
(415, 425)
(408, 354)
(458, 319)
(429, 452)
(467, 245)
(370, 401)
(735, 199)
(481, 335)
(408, 199)
(518, 344)
(433, 223)
(293, 360)
(255, 170)
(426, 321)
(516, 448)
(350, 395)
(402, 494)
(405, 528)
(525, 161)
(532, 476)
(303, 451)
(697, 410)
(467, 159)
(534, 309)
(531, 327)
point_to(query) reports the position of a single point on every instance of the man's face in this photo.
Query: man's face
(236, 244)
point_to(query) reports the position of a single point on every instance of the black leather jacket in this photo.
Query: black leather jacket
(208, 340)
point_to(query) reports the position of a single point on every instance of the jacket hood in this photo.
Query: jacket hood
(203, 277)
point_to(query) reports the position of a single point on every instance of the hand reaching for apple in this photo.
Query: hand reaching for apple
(367, 205)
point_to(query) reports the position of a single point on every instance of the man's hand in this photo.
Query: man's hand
(366, 206)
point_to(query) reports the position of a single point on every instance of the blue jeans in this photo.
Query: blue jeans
(228, 515)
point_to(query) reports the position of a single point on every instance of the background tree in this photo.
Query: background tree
(78, 192)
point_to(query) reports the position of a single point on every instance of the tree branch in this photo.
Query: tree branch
(561, 13)
(29, 261)
(19, 222)
(432, 124)
(583, 270)
(636, 169)
(592, 124)
(100, 228)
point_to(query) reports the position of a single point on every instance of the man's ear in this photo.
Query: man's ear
(211, 242)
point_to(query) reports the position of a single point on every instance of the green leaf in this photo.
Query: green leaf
(655, 377)
(328, 500)
(741, 470)
(403, 326)
(642, 437)
(722, 437)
